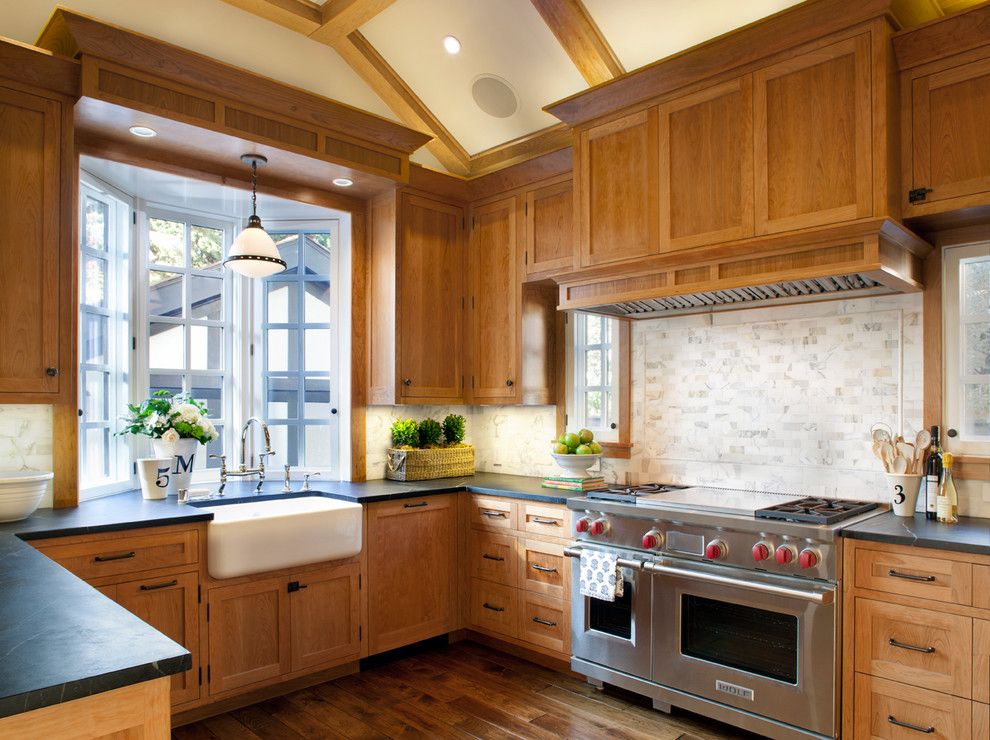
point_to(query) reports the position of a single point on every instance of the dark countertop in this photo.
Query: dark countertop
(969, 535)
(61, 639)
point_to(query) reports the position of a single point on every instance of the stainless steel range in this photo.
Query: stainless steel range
(729, 606)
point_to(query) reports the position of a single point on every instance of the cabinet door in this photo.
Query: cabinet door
(494, 303)
(411, 570)
(950, 142)
(706, 166)
(30, 162)
(325, 615)
(550, 228)
(812, 145)
(170, 604)
(981, 660)
(249, 634)
(617, 162)
(430, 300)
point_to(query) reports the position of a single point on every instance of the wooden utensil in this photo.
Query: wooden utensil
(900, 465)
(905, 450)
(880, 435)
(887, 455)
(922, 440)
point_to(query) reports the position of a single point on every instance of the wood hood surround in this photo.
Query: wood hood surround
(759, 167)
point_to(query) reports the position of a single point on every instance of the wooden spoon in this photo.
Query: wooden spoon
(881, 435)
(922, 440)
(899, 466)
(906, 450)
(887, 455)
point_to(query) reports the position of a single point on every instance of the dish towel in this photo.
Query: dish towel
(600, 576)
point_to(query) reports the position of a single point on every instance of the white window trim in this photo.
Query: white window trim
(574, 364)
(952, 348)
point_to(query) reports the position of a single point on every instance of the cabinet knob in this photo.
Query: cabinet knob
(51, 372)
(407, 381)
(509, 383)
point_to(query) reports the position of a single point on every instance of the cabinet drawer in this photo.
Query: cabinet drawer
(494, 607)
(96, 558)
(981, 660)
(919, 647)
(885, 709)
(543, 519)
(495, 513)
(544, 621)
(542, 568)
(981, 721)
(915, 575)
(493, 557)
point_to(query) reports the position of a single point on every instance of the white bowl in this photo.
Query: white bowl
(576, 465)
(20, 493)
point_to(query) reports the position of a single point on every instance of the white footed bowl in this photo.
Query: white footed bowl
(20, 493)
(576, 465)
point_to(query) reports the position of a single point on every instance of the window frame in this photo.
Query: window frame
(609, 431)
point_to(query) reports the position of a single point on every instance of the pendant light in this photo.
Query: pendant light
(253, 252)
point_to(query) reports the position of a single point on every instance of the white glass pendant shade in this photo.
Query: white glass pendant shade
(254, 253)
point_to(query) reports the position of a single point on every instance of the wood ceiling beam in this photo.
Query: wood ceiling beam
(301, 16)
(373, 69)
(341, 17)
(581, 38)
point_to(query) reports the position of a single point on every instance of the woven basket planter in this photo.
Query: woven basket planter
(441, 462)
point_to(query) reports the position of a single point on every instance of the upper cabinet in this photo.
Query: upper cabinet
(812, 135)
(616, 173)
(549, 213)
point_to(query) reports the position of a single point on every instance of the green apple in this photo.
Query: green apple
(562, 439)
(583, 450)
(560, 449)
(586, 436)
(596, 449)
(571, 440)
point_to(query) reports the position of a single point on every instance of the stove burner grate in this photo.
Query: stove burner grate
(628, 494)
(813, 510)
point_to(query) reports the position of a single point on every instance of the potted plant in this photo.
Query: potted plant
(428, 449)
(177, 424)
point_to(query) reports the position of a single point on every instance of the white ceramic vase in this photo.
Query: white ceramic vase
(183, 454)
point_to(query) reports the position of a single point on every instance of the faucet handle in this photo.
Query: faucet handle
(306, 478)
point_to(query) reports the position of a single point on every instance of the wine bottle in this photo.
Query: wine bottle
(933, 476)
(947, 504)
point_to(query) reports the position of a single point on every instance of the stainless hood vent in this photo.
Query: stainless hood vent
(852, 285)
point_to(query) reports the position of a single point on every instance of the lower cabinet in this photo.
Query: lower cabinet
(325, 617)
(887, 709)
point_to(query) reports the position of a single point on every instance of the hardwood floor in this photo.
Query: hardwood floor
(463, 690)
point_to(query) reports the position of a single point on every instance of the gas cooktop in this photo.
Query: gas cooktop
(816, 510)
(628, 494)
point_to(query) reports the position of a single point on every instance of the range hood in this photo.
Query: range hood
(865, 258)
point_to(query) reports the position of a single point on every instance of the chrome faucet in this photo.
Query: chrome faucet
(243, 469)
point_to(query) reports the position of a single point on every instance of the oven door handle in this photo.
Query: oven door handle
(818, 597)
(575, 552)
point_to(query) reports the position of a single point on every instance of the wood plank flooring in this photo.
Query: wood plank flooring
(463, 690)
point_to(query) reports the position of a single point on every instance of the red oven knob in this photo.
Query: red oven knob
(716, 550)
(784, 554)
(582, 524)
(599, 526)
(809, 558)
(761, 551)
(652, 540)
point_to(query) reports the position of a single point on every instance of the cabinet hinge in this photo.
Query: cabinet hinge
(472, 223)
(359, 582)
(207, 611)
(526, 257)
(565, 420)
(472, 381)
(472, 303)
(526, 208)
(360, 633)
(201, 675)
(918, 194)
(209, 673)
(199, 594)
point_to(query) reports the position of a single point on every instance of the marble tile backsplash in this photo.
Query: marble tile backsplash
(26, 439)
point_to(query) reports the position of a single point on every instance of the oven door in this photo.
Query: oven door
(758, 642)
(613, 634)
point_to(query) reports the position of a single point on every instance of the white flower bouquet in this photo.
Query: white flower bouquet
(170, 418)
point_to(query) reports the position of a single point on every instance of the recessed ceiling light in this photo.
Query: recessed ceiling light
(451, 44)
(343, 182)
(143, 131)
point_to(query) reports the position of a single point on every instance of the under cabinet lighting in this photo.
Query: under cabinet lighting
(343, 182)
(451, 44)
(143, 131)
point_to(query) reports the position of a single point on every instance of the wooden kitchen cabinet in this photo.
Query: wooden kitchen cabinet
(616, 175)
(325, 616)
(706, 166)
(813, 156)
(416, 300)
(412, 565)
(549, 214)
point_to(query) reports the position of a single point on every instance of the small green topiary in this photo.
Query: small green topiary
(453, 429)
(430, 432)
(405, 433)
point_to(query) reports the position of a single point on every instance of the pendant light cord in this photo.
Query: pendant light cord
(254, 188)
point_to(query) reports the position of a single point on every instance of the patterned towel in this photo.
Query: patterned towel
(600, 576)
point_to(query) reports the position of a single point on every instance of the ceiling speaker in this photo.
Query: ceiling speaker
(494, 96)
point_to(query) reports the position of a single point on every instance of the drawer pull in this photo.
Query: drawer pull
(544, 622)
(156, 586)
(415, 506)
(493, 608)
(109, 558)
(496, 558)
(903, 645)
(550, 522)
(543, 568)
(917, 728)
(494, 514)
(910, 576)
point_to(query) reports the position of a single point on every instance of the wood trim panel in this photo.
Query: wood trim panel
(40, 68)
(360, 333)
(557, 164)
(581, 39)
(929, 42)
(521, 150)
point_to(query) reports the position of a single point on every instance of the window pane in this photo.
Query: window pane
(288, 247)
(165, 382)
(208, 389)
(318, 449)
(167, 242)
(165, 293)
(206, 298)
(975, 281)
(317, 254)
(95, 395)
(285, 444)
(593, 329)
(97, 224)
(976, 411)
(206, 247)
(593, 409)
(317, 302)
(95, 282)
(976, 348)
(283, 302)
(593, 367)
(166, 345)
(283, 354)
(205, 348)
(317, 398)
(318, 350)
(283, 398)
(96, 455)
(94, 340)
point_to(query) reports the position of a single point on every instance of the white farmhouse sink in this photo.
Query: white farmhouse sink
(259, 536)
